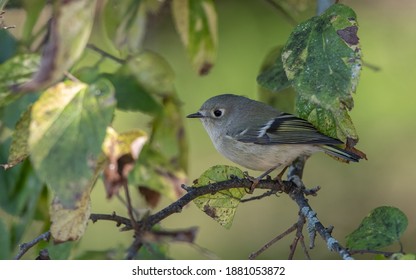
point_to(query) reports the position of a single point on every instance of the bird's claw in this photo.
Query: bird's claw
(254, 181)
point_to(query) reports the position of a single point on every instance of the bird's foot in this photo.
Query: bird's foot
(254, 182)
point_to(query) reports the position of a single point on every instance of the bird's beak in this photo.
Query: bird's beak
(195, 115)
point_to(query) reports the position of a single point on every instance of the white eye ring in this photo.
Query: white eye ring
(218, 113)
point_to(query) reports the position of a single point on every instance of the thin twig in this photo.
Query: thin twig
(298, 237)
(130, 208)
(194, 192)
(254, 255)
(137, 243)
(105, 54)
(123, 201)
(24, 247)
(113, 217)
(257, 197)
(305, 249)
(314, 224)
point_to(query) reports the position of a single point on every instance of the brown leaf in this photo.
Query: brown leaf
(121, 151)
(349, 146)
(151, 197)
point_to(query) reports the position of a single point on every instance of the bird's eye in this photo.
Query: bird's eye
(218, 113)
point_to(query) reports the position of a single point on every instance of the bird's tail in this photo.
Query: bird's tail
(342, 154)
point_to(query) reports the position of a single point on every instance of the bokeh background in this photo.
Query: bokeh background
(384, 116)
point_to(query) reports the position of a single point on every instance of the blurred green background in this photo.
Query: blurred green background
(384, 116)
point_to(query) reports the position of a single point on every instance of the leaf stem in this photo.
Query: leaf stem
(105, 54)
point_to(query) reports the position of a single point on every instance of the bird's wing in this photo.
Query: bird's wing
(284, 129)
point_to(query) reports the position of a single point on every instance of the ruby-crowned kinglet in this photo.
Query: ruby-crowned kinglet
(259, 137)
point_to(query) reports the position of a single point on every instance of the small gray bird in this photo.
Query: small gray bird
(259, 137)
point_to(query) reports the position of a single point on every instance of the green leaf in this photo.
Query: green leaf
(130, 94)
(196, 22)
(33, 10)
(19, 148)
(383, 226)
(222, 205)
(87, 74)
(67, 129)
(19, 196)
(153, 171)
(65, 44)
(153, 73)
(60, 251)
(143, 82)
(272, 74)
(400, 256)
(16, 70)
(8, 45)
(120, 26)
(5, 245)
(131, 30)
(275, 89)
(168, 134)
(322, 60)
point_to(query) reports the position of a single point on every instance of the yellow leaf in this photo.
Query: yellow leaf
(68, 224)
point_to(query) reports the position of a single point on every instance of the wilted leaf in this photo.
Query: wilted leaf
(66, 132)
(69, 30)
(222, 205)
(151, 197)
(322, 60)
(121, 151)
(196, 22)
(383, 226)
(69, 223)
(127, 143)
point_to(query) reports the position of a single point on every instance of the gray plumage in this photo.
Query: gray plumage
(259, 137)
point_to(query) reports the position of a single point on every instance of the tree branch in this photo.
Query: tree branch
(295, 192)
(314, 224)
(24, 247)
(113, 217)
